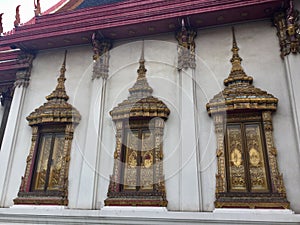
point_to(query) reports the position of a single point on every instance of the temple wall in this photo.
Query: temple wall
(260, 52)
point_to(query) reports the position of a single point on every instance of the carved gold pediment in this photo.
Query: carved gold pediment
(239, 92)
(140, 103)
(56, 109)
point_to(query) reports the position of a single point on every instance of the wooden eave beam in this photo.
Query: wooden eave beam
(13, 65)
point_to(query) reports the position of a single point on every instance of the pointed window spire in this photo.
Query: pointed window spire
(56, 105)
(60, 91)
(141, 87)
(142, 70)
(237, 73)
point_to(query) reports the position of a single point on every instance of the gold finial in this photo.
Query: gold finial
(142, 70)
(60, 91)
(142, 59)
(237, 73)
(236, 59)
(63, 67)
(141, 86)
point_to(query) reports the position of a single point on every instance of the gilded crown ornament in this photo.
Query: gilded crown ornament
(186, 47)
(239, 92)
(288, 30)
(56, 109)
(140, 102)
(101, 49)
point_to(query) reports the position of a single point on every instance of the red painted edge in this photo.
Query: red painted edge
(132, 14)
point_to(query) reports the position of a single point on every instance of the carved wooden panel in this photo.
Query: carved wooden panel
(47, 172)
(138, 166)
(42, 163)
(257, 158)
(236, 159)
(55, 174)
(147, 160)
(131, 163)
(246, 158)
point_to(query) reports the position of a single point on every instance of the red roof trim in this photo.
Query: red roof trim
(120, 14)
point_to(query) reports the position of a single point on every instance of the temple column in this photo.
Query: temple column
(11, 133)
(292, 68)
(288, 32)
(90, 169)
(189, 162)
(6, 98)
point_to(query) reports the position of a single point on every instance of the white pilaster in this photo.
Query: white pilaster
(87, 192)
(9, 140)
(292, 68)
(189, 158)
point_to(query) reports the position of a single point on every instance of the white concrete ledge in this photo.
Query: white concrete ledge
(133, 209)
(254, 211)
(34, 207)
(132, 215)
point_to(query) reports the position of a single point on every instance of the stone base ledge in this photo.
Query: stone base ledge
(133, 209)
(254, 211)
(143, 215)
(34, 207)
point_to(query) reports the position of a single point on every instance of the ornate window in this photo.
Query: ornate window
(137, 178)
(46, 176)
(246, 154)
(248, 174)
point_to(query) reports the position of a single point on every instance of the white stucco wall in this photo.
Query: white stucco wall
(260, 52)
